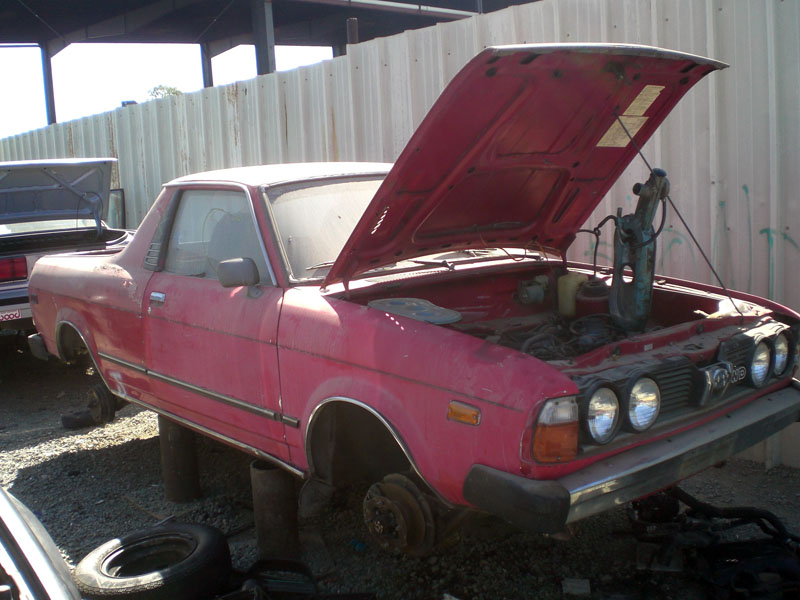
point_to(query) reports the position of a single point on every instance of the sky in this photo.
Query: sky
(95, 78)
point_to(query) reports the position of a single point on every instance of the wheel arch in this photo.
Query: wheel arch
(70, 342)
(346, 438)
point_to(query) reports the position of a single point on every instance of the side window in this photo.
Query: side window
(211, 226)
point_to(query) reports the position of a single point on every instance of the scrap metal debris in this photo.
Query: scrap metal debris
(576, 587)
(283, 580)
(693, 541)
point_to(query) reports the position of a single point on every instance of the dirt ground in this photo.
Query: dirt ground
(93, 484)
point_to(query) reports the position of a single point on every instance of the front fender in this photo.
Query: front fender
(386, 407)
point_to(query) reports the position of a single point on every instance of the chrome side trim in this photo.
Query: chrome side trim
(262, 412)
(230, 401)
(390, 428)
(121, 362)
(290, 421)
(218, 436)
(199, 428)
(228, 440)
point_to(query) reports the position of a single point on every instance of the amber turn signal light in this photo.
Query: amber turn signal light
(555, 443)
(463, 413)
(555, 437)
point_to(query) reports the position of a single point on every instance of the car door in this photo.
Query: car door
(211, 351)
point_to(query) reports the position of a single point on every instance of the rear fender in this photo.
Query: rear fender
(67, 322)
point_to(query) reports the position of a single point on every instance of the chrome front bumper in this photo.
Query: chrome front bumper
(546, 506)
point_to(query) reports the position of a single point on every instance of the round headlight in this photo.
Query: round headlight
(602, 415)
(759, 366)
(781, 353)
(644, 403)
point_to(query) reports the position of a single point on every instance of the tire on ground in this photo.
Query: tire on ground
(102, 404)
(174, 561)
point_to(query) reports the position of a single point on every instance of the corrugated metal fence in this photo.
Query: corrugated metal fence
(731, 148)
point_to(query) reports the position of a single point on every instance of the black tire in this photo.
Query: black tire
(174, 561)
(102, 404)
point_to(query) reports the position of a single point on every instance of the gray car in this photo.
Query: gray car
(47, 207)
(31, 566)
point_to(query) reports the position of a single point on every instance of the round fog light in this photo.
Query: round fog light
(781, 354)
(644, 404)
(759, 366)
(602, 415)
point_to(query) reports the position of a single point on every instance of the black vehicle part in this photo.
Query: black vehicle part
(173, 561)
(752, 569)
(399, 516)
(767, 521)
(102, 404)
(283, 580)
(77, 419)
(759, 568)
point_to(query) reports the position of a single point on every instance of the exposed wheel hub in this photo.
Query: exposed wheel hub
(398, 516)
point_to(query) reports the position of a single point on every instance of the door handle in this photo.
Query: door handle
(157, 297)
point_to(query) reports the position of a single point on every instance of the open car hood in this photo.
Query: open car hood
(519, 149)
(51, 190)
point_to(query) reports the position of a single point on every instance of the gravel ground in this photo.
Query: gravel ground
(93, 484)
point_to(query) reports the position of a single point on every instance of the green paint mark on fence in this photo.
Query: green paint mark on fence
(749, 238)
(600, 254)
(772, 236)
(678, 240)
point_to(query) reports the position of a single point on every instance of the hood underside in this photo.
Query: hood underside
(54, 190)
(519, 149)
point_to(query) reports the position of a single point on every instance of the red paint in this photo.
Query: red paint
(529, 130)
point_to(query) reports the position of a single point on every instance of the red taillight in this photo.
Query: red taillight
(12, 269)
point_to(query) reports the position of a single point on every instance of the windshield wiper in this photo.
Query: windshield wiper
(435, 263)
(327, 263)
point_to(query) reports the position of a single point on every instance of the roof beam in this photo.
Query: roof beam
(120, 25)
(399, 7)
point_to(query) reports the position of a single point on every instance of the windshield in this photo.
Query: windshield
(314, 219)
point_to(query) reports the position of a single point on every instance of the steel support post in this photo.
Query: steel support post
(49, 94)
(263, 36)
(178, 461)
(205, 59)
(352, 30)
(274, 511)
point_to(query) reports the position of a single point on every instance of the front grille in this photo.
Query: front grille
(736, 350)
(687, 388)
(678, 384)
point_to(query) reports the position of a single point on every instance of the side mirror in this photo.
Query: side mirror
(237, 271)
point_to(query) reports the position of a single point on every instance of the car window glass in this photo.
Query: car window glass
(313, 220)
(211, 226)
